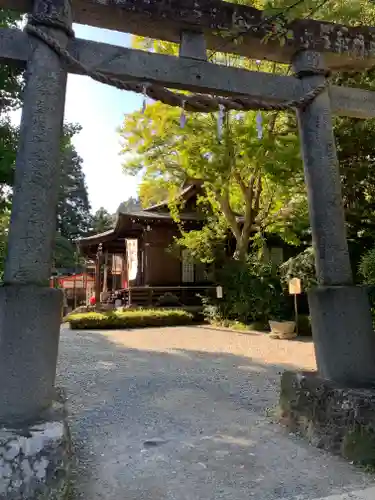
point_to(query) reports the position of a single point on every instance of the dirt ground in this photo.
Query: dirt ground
(185, 414)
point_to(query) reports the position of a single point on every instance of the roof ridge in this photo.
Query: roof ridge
(184, 190)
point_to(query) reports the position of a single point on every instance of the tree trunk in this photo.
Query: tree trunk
(241, 248)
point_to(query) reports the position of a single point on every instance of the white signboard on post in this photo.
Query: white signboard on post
(295, 289)
(295, 286)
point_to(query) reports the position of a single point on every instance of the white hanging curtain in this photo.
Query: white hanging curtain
(132, 258)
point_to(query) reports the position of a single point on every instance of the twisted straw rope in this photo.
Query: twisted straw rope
(202, 103)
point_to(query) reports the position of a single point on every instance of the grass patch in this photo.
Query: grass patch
(137, 318)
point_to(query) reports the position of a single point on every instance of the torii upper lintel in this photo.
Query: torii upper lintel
(344, 47)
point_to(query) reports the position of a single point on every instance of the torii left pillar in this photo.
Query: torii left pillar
(30, 311)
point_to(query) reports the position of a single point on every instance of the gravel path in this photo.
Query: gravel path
(182, 414)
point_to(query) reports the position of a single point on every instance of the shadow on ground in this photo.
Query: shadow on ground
(160, 422)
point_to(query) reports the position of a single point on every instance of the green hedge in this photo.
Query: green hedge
(129, 319)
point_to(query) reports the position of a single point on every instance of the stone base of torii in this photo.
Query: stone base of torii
(30, 311)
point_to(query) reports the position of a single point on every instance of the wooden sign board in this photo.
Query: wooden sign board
(295, 286)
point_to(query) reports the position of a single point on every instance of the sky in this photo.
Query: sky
(100, 110)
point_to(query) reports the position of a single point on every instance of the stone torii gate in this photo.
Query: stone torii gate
(30, 311)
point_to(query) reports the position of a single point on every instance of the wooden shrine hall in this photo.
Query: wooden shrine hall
(134, 261)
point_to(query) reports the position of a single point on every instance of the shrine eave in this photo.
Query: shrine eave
(132, 224)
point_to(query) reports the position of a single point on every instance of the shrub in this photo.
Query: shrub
(367, 272)
(301, 266)
(251, 292)
(168, 299)
(367, 267)
(137, 318)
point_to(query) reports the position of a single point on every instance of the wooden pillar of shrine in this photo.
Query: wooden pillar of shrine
(105, 274)
(98, 268)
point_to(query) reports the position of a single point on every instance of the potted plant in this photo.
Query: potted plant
(279, 319)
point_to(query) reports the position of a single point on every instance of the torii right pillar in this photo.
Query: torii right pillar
(341, 320)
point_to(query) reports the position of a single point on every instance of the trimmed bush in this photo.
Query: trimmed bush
(137, 318)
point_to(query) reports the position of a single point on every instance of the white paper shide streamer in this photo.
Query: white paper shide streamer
(259, 121)
(183, 116)
(259, 118)
(220, 121)
(144, 104)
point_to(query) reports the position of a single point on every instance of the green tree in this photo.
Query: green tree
(355, 140)
(64, 253)
(4, 226)
(11, 83)
(130, 205)
(73, 210)
(250, 183)
(350, 13)
(101, 221)
(153, 190)
(367, 267)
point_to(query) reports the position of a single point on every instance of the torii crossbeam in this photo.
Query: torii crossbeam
(343, 47)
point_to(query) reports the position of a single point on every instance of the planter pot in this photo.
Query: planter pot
(283, 329)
